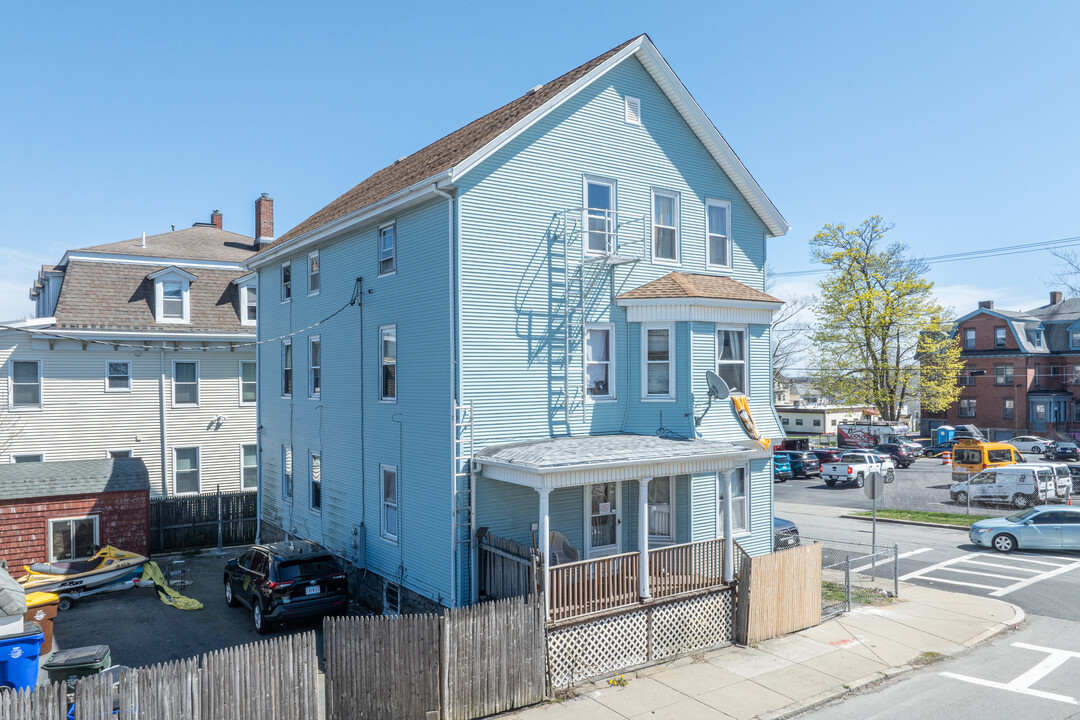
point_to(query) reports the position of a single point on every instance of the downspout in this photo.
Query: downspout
(258, 421)
(454, 385)
(161, 414)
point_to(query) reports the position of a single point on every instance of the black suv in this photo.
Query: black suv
(901, 455)
(286, 580)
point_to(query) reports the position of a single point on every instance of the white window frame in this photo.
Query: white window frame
(632, 110)
(645, 396)
(662, 539)
(745, 330)
(198, 376)
(315, 274)
(314, 392)
(1036, 338)
(198, 470)
(11, 386)
(97, 533)
(249, 298)
(746, 515)
(108, 376)
(612, 227)
(312, 456)
(730, 246)
(611, 396)
(385, 505)
(109, 453)
(652, 219)
(286, 285)
(40, 456)
(244, 468)
(379, 250)
(383, 331)
(240, 382)
(287, 368)
(288, 468)
(172, 274)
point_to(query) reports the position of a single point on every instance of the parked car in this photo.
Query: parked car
(785, 534)
(936, 451)
(285, 581)
(1029, 443)
(1020, 485)
(781, 468)
(803, 464)
(1048, 452)
(1074, 471)
(855, 468)
(1040, 528)
(825, 455)
(901, 455)
(1066, 451)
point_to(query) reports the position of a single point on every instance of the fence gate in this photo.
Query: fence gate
(201, 521)
(382, 667)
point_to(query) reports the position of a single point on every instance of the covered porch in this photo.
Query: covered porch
(620, 520)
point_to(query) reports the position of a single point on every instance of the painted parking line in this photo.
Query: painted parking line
(972, 564)
(901, 556)
(1022, 683)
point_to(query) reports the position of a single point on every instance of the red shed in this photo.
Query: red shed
(55, 511)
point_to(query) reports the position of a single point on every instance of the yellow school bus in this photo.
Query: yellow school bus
(971, 456)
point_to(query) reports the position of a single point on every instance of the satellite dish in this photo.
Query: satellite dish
(718, 389)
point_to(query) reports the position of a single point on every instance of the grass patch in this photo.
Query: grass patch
(833, 593)
(927, 658)
(938, 518)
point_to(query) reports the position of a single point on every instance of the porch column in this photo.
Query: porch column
(729, 541)
(643, 538)
(545, 547)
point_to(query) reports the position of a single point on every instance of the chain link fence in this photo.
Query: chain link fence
(856, 574)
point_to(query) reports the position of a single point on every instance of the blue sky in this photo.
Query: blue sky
(957, 122)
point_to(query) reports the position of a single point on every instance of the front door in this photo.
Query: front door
(603, 518)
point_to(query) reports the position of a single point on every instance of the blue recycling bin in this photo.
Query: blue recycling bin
(19, 657)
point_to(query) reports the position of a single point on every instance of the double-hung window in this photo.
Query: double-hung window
(969, 339)
(313, 273)
(661, 497)
(316, 480)
(387, 249)
(1003, 374)
(388, 363)
(117, 376)
(286, 472)
(999, 337)
(389, 502)
(600, 216)
(185, 382)
(967, 407)
(286, 282)
(658, 357)
(248, 382)
(186, 470)
(25, 384)
(72, 538)
(718, 232)
(172, 300)
(286, 368)
(1074, 340)
(314, 367)
(1009, 410)
(665, 226)
(249, 302)
(249, 466)
(599, 369)
(731, 358)
(740, 505)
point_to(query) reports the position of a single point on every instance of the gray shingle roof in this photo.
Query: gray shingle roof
(72, 477)
(196, 243)
(561, 452)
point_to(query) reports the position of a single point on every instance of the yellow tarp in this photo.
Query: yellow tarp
(169, 596)
(742, 409)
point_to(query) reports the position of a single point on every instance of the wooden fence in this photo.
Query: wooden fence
(506, 568)
(590, 586)
(197, 521)
(468, 663)
(677, 569)
(778, 593)
(48, 702)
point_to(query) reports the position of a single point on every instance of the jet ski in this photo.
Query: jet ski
(109, 565)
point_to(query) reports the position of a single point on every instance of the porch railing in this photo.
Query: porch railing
(681, 568)
(591, 586)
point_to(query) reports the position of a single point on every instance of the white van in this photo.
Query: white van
(1021, 485)
(1063, 483)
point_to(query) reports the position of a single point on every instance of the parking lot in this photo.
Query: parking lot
(141, 630)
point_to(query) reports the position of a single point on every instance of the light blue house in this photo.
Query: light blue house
(537, 299)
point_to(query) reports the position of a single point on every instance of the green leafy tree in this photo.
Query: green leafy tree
(883, 339)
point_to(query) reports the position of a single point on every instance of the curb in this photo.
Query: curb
(909, 522)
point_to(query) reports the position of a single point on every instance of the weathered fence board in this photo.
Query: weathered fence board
(506, 568)
(188, 522)
(47, 702)
(778, 593)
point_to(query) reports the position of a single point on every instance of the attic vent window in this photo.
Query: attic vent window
(632, 106)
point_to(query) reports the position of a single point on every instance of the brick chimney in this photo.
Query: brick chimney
(215, 219)
(1055, 297)
(264, 220)
(988, 304)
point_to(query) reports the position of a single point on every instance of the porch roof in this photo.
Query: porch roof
(583, 460)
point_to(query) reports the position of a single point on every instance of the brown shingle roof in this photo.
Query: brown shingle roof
(114, 296)
(442, 154)
(690, 285)
(196, 243)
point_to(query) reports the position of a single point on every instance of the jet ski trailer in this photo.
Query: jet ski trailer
(108, 570)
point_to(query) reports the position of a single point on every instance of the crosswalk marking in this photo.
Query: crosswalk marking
(970, 565)
(1022, 683)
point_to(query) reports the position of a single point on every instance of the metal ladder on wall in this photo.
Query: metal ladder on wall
(463, 497)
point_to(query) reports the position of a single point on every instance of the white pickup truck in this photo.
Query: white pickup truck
(856, 468)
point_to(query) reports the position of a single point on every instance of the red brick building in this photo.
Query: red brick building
(1022, 370)
(57, 511)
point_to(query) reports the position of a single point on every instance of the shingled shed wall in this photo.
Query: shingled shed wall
(123, 521)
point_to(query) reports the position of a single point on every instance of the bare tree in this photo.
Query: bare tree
(1068, 272)
(790, 337)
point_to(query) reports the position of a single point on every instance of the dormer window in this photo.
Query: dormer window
(172, 295)
(248, 299)
(1037, 338)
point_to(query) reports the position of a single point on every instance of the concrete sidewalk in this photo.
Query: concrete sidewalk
(791, 674)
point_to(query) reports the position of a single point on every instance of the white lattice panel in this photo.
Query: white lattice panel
(692, 624)
(596, 648)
